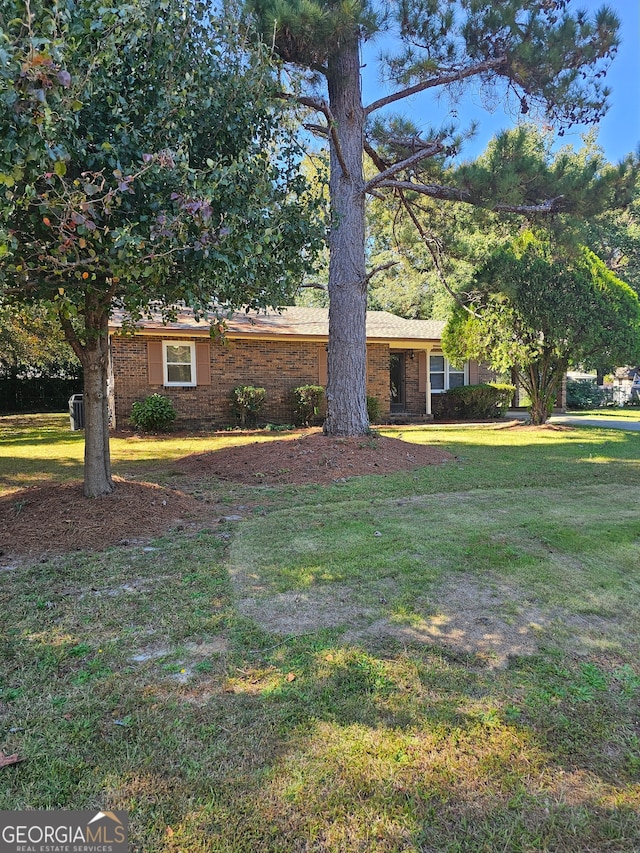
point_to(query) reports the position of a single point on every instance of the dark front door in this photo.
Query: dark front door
(396, 380)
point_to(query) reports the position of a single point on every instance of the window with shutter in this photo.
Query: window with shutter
(179, 363)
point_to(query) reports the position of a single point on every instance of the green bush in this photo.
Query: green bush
(153, 414)
(373, 409)
(473, 402)
(247, 403)
(306, 403)
(583, 394)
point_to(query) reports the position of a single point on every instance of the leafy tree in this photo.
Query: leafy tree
(537, 311)
(31, 344)
(142, 164)
(538, 53)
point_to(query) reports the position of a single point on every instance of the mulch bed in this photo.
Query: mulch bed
(311, 458)
(57, 518)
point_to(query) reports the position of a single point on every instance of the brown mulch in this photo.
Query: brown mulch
(311, 458)
(56, 518)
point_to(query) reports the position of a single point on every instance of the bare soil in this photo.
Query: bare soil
(56, 518)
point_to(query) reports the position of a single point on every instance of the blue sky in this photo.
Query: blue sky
(619, 132)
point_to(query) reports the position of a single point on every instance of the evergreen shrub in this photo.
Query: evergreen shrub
(306, 403)
(473, 402)
(246, 404)
(153, 414)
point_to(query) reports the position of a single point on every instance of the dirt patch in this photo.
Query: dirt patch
(311, 458)
(294, 613)
(488, 620)
(57, 518)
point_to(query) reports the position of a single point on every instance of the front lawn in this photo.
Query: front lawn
(443, 660)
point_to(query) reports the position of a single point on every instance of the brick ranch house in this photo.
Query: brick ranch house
(279, 352)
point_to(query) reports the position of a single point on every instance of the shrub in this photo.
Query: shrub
(153, 414)
(247, 403)
(471, 402)
(306, 403)
(583, 394)
(373, 409)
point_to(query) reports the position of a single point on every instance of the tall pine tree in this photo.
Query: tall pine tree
(540, 54)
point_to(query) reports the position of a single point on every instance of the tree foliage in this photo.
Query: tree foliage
(32, 345)
(142, 163)
(537, 311)
(436, 248)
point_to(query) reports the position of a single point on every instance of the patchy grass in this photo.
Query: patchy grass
(441, 660)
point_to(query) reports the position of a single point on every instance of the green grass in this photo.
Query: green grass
(388, 716)
(631, 413)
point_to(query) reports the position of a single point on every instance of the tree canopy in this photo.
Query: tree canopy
(431, 250)
(543, 56)
(536, 308)
(143, 163)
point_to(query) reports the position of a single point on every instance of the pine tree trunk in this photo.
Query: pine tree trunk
(97, 457)
(347, 355)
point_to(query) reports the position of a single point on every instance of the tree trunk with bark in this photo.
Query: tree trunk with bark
(542, 381)
(347, 355)
(94, 357)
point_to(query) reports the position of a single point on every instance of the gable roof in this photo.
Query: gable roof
(294, 323)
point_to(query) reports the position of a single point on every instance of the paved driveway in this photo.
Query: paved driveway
(604, 423)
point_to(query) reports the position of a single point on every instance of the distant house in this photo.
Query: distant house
(627, 383)
(279, 352)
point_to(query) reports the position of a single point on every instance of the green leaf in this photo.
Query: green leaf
(60, 168)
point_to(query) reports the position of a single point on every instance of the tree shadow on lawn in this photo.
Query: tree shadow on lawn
(314, 746)
(303, 743)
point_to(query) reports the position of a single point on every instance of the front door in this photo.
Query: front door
(396, 380)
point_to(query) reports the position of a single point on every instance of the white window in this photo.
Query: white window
(179, 362)
(444, 376)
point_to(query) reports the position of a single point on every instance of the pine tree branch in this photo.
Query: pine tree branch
(376, 159)
(434, 255)
(545, 208)
(319, 129)
(550, 206)
(336, 143)
(431, 190)
(305, 101)
(315, 285)
(380, 268)
(323, 107)
(427, 150)
(440, 80)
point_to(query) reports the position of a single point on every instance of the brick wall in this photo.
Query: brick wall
(378, 377)
(485, 374)
(277, 366)
(415, 400)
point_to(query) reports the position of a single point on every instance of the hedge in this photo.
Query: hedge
(473, 402)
